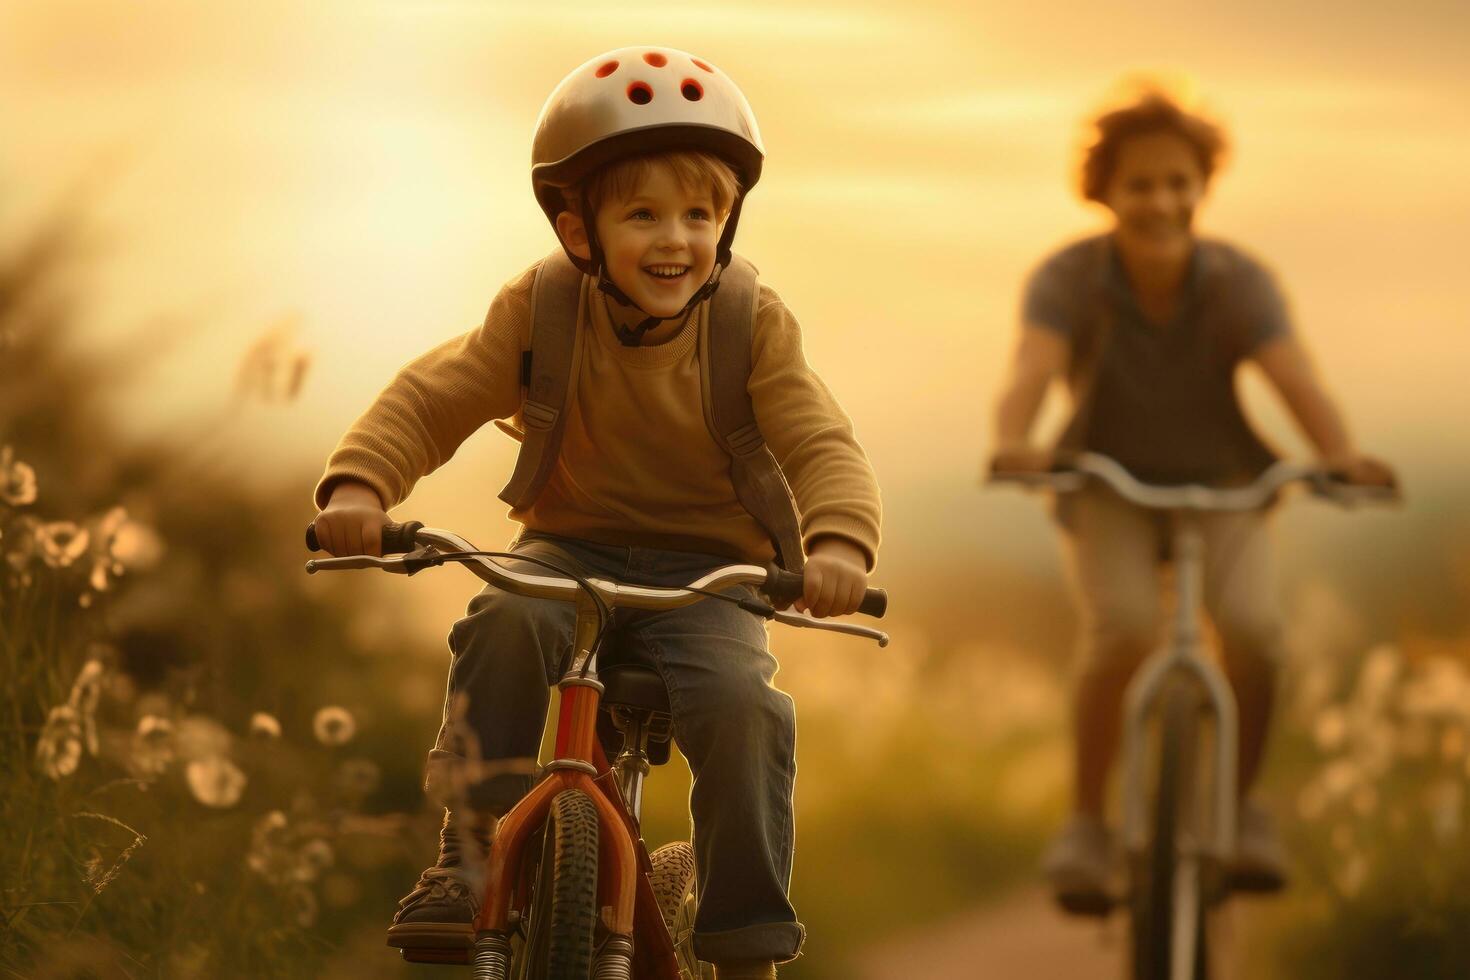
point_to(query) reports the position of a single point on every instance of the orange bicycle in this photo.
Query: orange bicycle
(571, 890)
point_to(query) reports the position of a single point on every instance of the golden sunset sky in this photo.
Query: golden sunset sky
(363, 168)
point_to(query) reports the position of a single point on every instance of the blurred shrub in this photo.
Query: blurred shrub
(1380, 824)
(201, 768)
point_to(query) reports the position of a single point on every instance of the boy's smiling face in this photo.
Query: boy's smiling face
(659, 243)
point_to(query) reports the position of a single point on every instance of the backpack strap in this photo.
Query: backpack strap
(556, 311)
(725, 338)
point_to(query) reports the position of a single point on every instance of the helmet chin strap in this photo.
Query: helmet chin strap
(633, 336)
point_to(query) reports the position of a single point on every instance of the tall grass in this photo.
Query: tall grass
(179, 797)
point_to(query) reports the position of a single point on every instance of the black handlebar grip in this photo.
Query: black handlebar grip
(875, 603)
(784, 586)
(397, 538)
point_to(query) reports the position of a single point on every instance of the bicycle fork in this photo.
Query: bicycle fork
(571, 768)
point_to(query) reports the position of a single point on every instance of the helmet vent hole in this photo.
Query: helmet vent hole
(639, 93)
(655, 59)
(606, 69)
(700, 64)
(691, 90)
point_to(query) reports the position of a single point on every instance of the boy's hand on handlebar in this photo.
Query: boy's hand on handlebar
(353, 521)
(835, 578)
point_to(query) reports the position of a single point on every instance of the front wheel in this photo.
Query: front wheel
(674, 890)
(1168, 894)
(560, 923)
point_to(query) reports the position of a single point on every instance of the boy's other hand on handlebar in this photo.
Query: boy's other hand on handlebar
(835, 578)
(353, 521)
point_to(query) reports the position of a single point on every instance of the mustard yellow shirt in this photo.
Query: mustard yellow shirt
(638, 464)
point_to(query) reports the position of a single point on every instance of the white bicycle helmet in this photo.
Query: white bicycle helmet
(635, 101)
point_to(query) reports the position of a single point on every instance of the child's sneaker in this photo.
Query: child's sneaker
(1079, 866)
(440, 911)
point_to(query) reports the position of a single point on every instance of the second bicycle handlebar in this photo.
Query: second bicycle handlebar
(1075, 473)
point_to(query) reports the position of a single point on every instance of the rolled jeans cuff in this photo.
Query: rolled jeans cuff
(779, 942)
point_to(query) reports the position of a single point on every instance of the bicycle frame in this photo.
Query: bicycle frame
(1182, 652)
(624, 894)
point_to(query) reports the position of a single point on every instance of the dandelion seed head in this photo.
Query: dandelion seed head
(315, 856)
(357, 778)
(17, 480)
(334, 725)
(59, 750)
(264, 726)
(216, 782)
(61, 543)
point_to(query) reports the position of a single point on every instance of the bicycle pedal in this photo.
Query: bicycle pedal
(453, 957)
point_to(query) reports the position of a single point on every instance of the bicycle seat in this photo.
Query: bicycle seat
(634, 686)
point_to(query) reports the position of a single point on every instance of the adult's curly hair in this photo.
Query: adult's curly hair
(1154, 112)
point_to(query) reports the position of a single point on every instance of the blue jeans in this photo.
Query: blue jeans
(737, 730)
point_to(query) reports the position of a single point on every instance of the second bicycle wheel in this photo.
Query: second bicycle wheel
(1168, 889)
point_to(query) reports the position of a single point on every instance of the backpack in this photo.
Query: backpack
(547, 370)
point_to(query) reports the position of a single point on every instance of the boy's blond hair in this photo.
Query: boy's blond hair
(695, 170)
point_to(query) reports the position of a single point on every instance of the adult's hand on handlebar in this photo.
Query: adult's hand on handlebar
(1363, 471)
(1023, 459)
(834, 579)
(353, 521)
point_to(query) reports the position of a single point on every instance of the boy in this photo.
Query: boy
(641, 160)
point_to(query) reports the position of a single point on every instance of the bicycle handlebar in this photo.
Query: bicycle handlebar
(1075, 474)
(781, 585)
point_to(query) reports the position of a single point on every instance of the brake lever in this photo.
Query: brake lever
(812, 623)
(405, 564)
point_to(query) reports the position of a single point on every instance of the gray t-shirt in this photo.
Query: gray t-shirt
(1160, 398)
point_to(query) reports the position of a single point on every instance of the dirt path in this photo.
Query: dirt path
(1020, 937)
(1023, 937)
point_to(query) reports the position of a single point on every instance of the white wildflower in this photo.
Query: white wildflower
(264, 726)
(334, 725)
(59, 750)
(216, 782)
(61, 542)
(17, 480)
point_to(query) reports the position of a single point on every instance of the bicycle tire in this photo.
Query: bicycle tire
(572, 916)
(1157, 873)
(673, 881)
